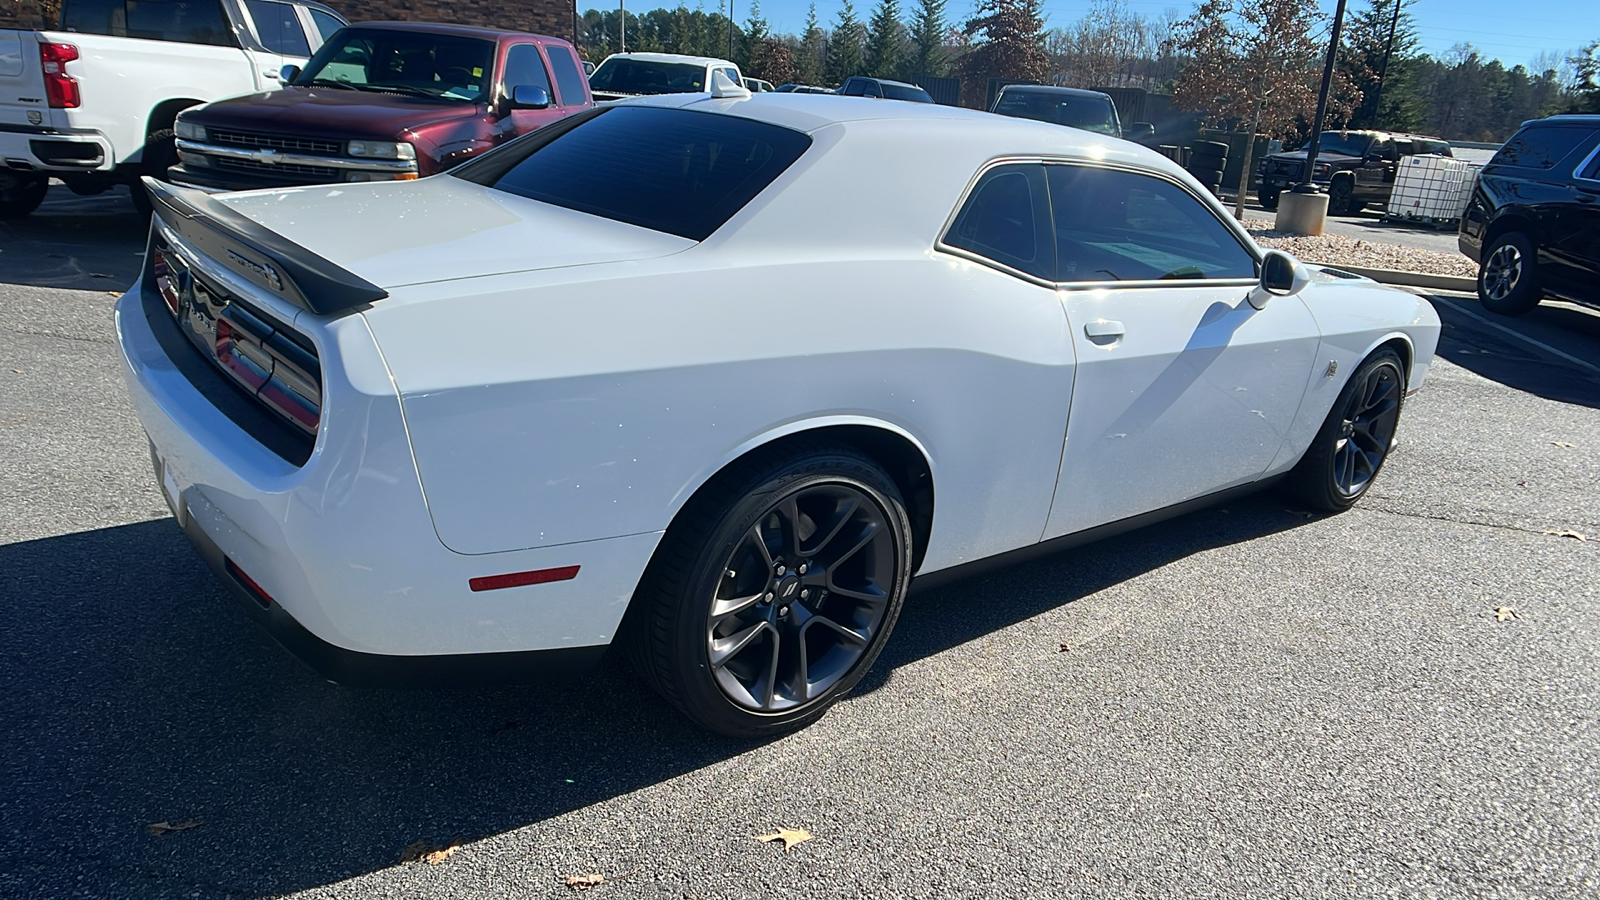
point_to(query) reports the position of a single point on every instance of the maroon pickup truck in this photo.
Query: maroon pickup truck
(382, 101)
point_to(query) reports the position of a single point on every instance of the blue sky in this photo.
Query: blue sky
(1510, 31)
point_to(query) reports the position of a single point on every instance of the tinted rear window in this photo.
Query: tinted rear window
(1089, 113)
(1539, 148)
(899, 92)
(637, 76)
(671, 170)
(198, 22)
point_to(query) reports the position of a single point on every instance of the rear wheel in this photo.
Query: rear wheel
(1508, 277)
(160, 155)
(1355, 439)
(21, 193)
(773, 594)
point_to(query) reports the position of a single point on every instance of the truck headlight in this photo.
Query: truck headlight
(188, 130)
(1323, 168)
(382, 150)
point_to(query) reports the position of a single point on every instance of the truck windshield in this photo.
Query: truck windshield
(1089, 113)
(637, 76)
(1347, 144)
(403, 62)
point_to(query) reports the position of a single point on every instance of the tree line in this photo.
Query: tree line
(1237, 63)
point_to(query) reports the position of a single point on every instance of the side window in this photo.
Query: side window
(278, 27)
(1386, 150)
(181, 21)
(1112, 225)
(1591, 166)
(568, 78)
(1006, 219)
(1539, 148)
(1407, 148)
(325, 23)
(524, 66)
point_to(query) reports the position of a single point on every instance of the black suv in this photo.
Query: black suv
(1533, 223)
(1357, 167)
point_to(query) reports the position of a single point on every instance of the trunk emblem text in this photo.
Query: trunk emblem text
(267, 273)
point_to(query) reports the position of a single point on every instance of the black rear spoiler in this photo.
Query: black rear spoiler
(259, 255)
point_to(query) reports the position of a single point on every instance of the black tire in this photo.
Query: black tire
(1508, 276)
(1204, 171)
(1341, 196)
(1354, 441)
(21, 194)
(722, 623)
(1268, 196)
(160, 155)
(1218, 149)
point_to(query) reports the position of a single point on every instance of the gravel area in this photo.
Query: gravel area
(1338, 250)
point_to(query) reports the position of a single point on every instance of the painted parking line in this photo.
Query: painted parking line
(1517, 334)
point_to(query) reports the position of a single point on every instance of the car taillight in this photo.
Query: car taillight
(165, 280)
(279, 372)
(60, 88)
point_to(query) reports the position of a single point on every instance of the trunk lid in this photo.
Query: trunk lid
(22, 97)
(442, 228)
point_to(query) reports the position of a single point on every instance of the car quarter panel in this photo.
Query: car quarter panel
(546, 421)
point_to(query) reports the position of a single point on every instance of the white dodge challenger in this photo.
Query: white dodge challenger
(714, 376)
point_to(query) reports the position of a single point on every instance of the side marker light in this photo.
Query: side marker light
(518, 579)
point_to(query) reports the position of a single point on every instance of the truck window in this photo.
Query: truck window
(568, 77)
(180, 21)
(325, 23)
(525, 67)
(278, 27)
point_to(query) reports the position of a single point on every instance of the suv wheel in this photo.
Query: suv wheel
(1508, 276)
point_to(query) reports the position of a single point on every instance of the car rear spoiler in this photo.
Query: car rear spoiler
(259, 255)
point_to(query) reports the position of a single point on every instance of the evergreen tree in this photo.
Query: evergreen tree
(808, 62)
(1384, 73)
(844, 51)
(927, 41)
(1587, 67)
(1010, 44)
(885, 45)
(756, 33)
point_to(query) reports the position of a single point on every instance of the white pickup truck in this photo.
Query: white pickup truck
(93, 103)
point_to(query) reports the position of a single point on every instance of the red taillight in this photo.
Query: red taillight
(60, 88)
(248, 583)
(162, 272)
(518, 579)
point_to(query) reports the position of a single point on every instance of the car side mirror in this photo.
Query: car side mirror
(1139, 132)
(289, 73)
(1281, 276)
(527, 96)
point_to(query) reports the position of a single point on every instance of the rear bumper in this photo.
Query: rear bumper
(55, 152)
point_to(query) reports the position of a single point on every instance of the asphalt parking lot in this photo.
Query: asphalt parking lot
(1249, 701)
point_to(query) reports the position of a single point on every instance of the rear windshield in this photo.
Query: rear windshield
(1089, 113)
(678, 171)
(636, 76)
(182, 21)
(403, 62)
(901, 92)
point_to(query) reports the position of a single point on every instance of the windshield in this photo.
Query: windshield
(1348, 144)
(403, 62)
(901, 92)
(1089, 113)
(637, 76)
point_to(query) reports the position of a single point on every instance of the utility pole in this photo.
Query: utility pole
(1383, 70)
(1305, 186)
(622, 25)
(730, 29)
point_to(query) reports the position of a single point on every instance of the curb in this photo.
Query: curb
(1411, 279)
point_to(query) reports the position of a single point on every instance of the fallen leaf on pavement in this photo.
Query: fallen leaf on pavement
(1064, 649)
(789, 836)
(18, 371)
(1575, 535)
(115, 293)
(1506, 614)
(422, 851)
(584, 882)
(1562, 444)
(159, 828)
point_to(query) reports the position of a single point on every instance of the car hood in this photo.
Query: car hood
(330, 113)
(443, 228)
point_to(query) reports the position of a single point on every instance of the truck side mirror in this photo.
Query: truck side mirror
(1139, 132)
(289, 73)
(525, 96)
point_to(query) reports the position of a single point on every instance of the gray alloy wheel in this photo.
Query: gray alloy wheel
(1508, 277)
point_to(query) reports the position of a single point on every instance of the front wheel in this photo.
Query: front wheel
(1355, 439)
(772, 595)
(1508, 277)
(21, 194)
(1268, 196)
(1341, 197)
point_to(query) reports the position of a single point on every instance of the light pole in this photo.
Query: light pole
(1304, 208)
(622, 25)
(1383, 71)
(730, 29)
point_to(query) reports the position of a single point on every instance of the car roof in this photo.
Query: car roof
(488, 34)
(884, 81)
(1054, 89)
(674, 58)
(1584, 120)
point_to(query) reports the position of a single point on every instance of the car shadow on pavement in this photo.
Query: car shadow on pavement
(84, 243)
(135, 693)
(1477, 340)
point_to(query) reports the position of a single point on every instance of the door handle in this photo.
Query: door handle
(1104, 330)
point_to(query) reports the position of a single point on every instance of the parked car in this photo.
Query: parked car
(708, 380)
(1356, 167)
(757, 86)
(802, 89)
(93, 103)
(1088, 110)
(882, 88)
(383, 101)
(636, 74)
(1533, 223)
